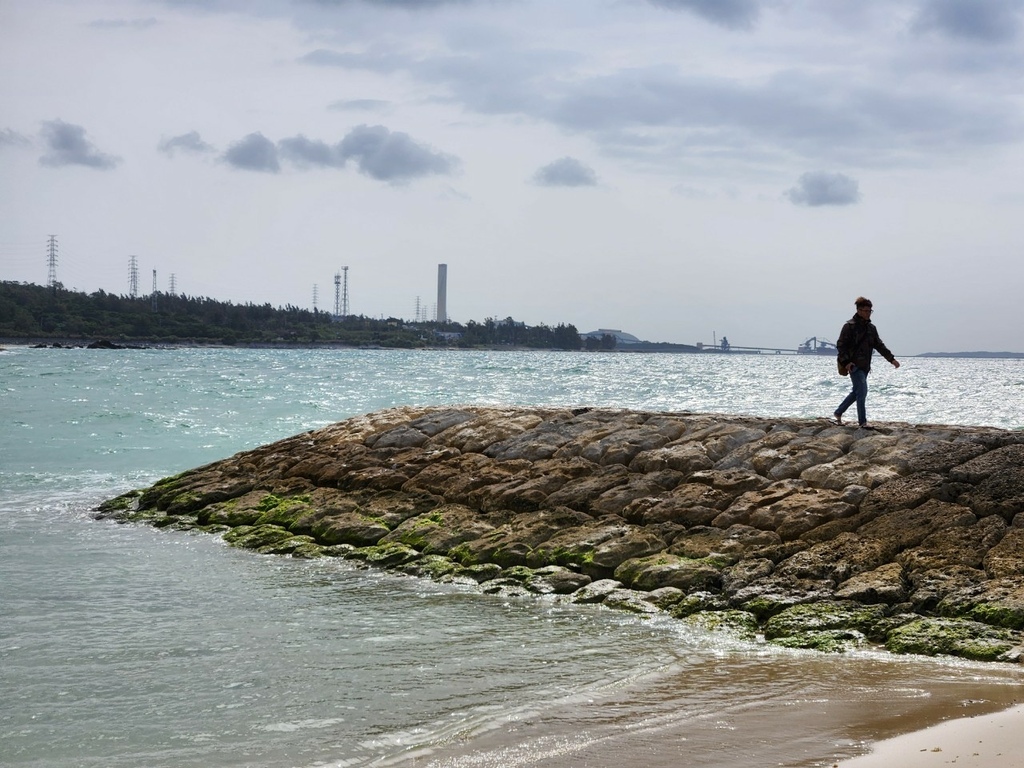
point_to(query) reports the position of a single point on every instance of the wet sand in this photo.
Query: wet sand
(801, 712)
(990, 741)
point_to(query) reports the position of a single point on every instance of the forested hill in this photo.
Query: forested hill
(36, 313)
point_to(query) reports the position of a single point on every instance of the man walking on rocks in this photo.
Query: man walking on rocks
(857, 341)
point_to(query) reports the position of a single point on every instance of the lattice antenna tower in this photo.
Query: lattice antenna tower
(153, 296)
(51, 263)
(344, 291)
(174, 286)
(316, 296)
(417, 314)
(337, 295)
(133, 276)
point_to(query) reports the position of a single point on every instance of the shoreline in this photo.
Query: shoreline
(75, 343)
(991, 740)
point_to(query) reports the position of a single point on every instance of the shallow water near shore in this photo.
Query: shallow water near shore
(127, 646)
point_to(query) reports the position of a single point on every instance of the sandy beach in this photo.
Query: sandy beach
(992, 740)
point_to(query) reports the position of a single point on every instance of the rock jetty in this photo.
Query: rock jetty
(806, 534)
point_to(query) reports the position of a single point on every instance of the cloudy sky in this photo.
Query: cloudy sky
(678, 169)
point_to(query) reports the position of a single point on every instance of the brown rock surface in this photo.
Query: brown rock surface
(732, 512)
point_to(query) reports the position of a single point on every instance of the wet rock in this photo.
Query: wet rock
(596, 591)
(633, 600)
(665, 570)
(739, 623)
(554, 579)
(694, 514)
(954, 637)
(826, 615)
(885, 584)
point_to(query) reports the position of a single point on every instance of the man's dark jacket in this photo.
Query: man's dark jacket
(856, 342)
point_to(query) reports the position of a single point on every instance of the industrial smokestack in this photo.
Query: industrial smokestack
(442, 293)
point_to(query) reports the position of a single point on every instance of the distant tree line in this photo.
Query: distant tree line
(30, 311)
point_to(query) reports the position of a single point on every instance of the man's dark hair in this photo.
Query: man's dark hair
(862, 302)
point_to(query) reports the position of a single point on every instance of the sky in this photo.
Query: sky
(681, 170)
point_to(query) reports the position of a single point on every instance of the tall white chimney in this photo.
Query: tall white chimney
(442, 293)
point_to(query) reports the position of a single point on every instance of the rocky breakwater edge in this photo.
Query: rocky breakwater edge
(802, 533)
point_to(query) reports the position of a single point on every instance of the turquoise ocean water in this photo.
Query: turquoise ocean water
(129, 646)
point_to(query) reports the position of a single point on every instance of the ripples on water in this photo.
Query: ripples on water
(127, 646)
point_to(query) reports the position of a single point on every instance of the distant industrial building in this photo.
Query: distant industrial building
(621, 337)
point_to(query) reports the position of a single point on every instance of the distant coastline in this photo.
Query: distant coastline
(986, 355)
(648, 347)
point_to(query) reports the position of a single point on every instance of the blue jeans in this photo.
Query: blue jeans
(859, 379)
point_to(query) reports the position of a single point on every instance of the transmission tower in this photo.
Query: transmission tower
(174, 287)
(133, 277)
(337, 295)
(316, 296)
(51, 264)
(416, 316)
(344, 291)
(154, 290)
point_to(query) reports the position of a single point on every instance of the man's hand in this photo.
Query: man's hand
(850, 367)
(895, 363)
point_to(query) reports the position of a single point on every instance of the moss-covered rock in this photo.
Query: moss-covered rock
(119, 505)
(696, 602)
(632, 600)
(297, 546)
(826, 535)
(953, 637)
(283, 511)
(256, 536)
(481, 572)
(742, 624)
(824, 641)
(665, 570)
(818, 617)
(432, 566)
(390, 555)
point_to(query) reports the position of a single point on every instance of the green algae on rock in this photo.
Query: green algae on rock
(817, 536)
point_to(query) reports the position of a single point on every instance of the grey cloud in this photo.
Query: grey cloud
(253, 153)
(818, 188)
(124, 23)
(732, 14)
(816, 116)
(308, 152)
(406, 4)
(990, 21)
(656, 113)
(392, 156)
(68, 145)
(187, 142)
(378, 152)
(385, 63)
(360, 105)
(565, 172)
(11, 138)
